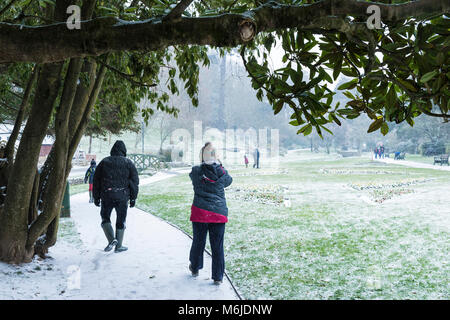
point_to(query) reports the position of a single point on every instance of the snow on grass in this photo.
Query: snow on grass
(273, 194)
(44, 279)
(78, 188)
(330, 244)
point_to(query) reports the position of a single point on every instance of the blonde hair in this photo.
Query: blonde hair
(207, 153)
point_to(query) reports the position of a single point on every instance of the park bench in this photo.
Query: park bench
(442, 159)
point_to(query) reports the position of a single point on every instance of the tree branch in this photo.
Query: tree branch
(6, 8)
(178, 10)
(6, 105)
(436, 115)
(9, 149)
(126, 76)
(56, 42)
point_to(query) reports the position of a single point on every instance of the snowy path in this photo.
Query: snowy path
(154, 267)
(413, 164)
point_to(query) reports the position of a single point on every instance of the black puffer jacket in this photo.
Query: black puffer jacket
(116, 172)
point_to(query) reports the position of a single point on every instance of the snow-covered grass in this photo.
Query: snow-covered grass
(78, 188)
(419, 158)
(43, 278)
(329, 240)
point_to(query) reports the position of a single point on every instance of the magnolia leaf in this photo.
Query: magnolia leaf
(428, 76)
(375, 125)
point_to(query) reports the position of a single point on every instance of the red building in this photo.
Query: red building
(45, 150)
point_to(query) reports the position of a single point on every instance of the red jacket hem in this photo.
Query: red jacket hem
(205, 216)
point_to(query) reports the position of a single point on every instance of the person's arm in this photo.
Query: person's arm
(133, 182)
(191, 173)
(97, 182)
(86, 176)
(226, 178)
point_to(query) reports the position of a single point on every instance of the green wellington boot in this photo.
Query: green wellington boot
(119, 237)
(109, 233)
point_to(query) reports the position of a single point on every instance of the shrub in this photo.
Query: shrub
(432, 148)
(405, 146)
(166, 155)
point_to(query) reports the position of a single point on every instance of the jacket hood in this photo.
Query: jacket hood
(119, 149)
(211, 171)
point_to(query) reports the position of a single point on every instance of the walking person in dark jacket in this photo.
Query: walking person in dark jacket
(381, 152)
(256, 156)
(209, 212)
(89, 176)
(116, 181)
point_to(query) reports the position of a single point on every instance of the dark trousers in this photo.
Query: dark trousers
(216, 233)
(121, 207)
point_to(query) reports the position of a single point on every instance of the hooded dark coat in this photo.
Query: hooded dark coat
(89, 176)
(209, 204)
(116, 172)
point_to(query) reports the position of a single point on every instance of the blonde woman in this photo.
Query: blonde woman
(209, 212)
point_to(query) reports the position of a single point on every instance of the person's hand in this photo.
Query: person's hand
(132, 203)
(97, 202)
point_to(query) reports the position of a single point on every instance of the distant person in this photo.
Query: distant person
(382, 152)
(375, 152)
(116, 182)
(246, 161)
(209, 212)
(256, 156)
(89, 176)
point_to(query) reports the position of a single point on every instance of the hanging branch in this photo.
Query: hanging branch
(178, 10)
(109, 34)
(126, 76)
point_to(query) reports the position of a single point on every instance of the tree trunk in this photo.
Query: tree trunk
(10, 146)
(14, 215)
(33, 209)
(51, 199)
(79, 118)
(17, 238)
(221, 105)
(161, 133)
(90, 144)
(58, 164)
(137, 140)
